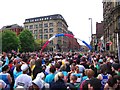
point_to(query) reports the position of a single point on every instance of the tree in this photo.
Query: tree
(10, 41)
(38, 44)
(26, 41)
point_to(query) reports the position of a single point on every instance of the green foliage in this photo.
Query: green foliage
(9, 41)
(26, 41)
(38, 44)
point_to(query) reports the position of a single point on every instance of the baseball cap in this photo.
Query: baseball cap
(24, 67)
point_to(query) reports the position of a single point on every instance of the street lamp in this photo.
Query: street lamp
(119, 39)
(91, 32)
(91, 27)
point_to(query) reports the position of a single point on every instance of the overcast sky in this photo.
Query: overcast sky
(75, 12)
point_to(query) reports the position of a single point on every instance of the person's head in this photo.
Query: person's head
(72, 67)
(35, 86)
(4, 54)
(63, 68)
(52, 69)
(57, 65)
(77, 69)
(89, 73)
(38, 81)
(58, 76)
(112, 82)
(73, 78)
(94, 84)
(38, 62)
(103, 69)
(5, 68)
(25, 68)
(115, 67)
(18, 67)
(32, 62)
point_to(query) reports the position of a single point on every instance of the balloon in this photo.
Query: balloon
(58, 35)
(68, 35)
(44, 46)
(87, 45)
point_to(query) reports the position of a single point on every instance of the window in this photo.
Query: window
(51, 42)
(50, 35)
(36, 19)
(46, 25)
(35, 31)
(35, 36)
(40, 31)
(40, 25)
(50, 24)
(36, 25)
(27, 21)
(45, 36)
(41, 36)
(45, 30)
(32, 20)
(60, 24)
(59, 30)
(26, 27)
(31, 27)
(50, 30)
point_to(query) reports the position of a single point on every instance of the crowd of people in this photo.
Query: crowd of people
(59, 71)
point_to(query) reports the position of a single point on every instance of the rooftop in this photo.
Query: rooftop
(45, 18)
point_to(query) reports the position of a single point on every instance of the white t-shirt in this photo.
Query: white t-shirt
(3, 84)
(81, 68)
(23, 80)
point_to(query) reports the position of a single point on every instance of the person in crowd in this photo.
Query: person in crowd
(32, 66)
(4, 61)
(78, 74)
(17, 71)
(5, 76)
(116, 68)
(92, 84)
(104, 76)
(24, 80)
(65, 73)
(73, 85)
(3, 85)
(38, 68)
(89, 74)
(39, 83)
(50, 77)
(111, 84)
(58, 83)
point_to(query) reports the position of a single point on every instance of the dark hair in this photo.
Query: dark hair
(94, 82)
(18, 67)
(112, 82)
(5, 68)
(104, 69)
(38, 62)
(57, 65)
(52, 69)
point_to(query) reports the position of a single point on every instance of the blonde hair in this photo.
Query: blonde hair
(63, 67)
(58, 76)
(89, 73)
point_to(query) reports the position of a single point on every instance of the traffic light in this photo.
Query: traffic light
(107, 46)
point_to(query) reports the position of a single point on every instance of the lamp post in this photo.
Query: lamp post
(91, 31)
(119, 39)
